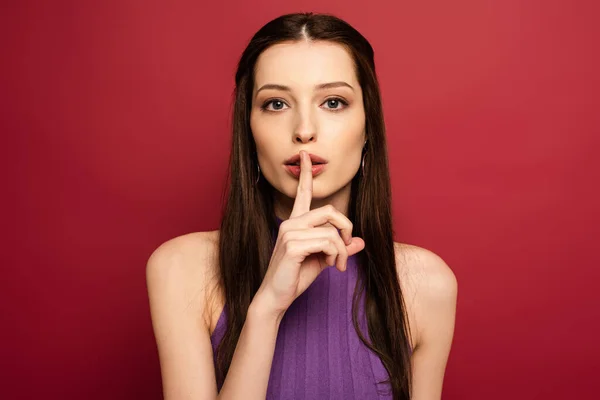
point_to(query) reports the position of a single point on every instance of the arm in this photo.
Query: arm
(177, 275)
(435, 308)
(174, 281)
(248, 375)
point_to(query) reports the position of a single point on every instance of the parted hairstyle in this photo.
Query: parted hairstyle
(248, 221)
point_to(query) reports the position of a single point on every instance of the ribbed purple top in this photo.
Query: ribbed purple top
(318, 354)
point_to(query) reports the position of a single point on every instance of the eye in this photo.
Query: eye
(277, 105)
(334, 102)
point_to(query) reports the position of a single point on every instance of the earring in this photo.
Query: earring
(363, 163)
(258, 173)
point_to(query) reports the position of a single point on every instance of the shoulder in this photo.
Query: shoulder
(425, 269)
(179, 276)
(182, 270)
(183, 248)
(188, 255)
(429, 287)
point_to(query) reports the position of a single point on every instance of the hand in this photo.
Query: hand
(304, 247)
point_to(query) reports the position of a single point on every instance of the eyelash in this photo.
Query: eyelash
(266, 104)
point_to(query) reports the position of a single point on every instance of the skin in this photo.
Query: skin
(306, 118)
(181, 273)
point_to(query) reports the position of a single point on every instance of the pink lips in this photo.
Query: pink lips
(295, 169)
(292, 164)
(315, 159)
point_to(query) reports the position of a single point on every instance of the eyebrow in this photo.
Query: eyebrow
(321, 86)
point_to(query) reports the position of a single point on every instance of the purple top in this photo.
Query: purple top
(318, 354)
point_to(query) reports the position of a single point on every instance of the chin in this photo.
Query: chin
(323, 189)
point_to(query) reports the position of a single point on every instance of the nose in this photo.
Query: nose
(305, 129)
(304, 137)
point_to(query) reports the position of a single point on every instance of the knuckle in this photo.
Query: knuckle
(286, 236)
(283, 226)
(289, 246)
(332, 232)
(324, 243)
(332, 244)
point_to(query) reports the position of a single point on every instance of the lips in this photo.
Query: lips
(317, 169)
(315, 160)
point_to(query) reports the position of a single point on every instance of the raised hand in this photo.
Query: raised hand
(305, 247)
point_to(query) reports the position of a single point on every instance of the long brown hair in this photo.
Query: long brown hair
(248, 221)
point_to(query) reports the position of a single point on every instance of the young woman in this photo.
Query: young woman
(302, 293)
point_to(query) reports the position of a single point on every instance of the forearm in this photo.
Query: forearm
(248, 374)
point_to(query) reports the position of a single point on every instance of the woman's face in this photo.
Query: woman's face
(290, 112)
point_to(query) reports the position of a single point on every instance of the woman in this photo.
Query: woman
(252, 311)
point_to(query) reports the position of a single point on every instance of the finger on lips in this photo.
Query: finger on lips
(304, 191)
(325, 216)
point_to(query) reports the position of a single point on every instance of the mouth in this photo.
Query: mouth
(292, 164)
(295, 160)
(295, 169)
(297, 164)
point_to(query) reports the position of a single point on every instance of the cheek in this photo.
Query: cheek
(268, 143)
(349, 145)
(348, 135)
(260, 131)
(350, 123)
(266, 127)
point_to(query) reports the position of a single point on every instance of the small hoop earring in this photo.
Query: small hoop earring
(258, 174)
(363, 163)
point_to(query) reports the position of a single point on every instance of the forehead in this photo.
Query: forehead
(304, 63)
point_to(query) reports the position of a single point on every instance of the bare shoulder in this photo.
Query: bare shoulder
(184, 248)
(185, 266)
(428, 284)
(179, 274)
(424, 268)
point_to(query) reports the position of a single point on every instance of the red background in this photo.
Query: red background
(115, 132)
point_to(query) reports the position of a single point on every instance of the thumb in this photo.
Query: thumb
(355, 246)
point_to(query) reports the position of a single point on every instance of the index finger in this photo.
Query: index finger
(305, 186)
